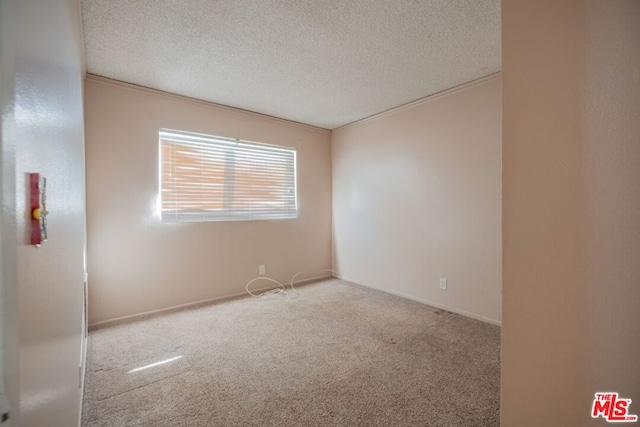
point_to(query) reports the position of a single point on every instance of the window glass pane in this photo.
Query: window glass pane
(210, 178)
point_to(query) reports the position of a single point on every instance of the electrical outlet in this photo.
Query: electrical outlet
(262, 269)
(443, 283)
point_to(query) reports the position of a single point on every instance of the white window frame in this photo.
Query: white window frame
(280, 158)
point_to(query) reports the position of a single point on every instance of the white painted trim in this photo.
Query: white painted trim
(156, 92)
(425, 100)
(430, 303)
(82, 47)
(83, 351)
(166, 310)
(83, 373)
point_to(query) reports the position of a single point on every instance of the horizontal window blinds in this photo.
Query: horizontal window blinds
(207, 178)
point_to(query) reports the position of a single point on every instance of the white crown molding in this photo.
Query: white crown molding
(425, 100)
(156, 92)
(417, 102)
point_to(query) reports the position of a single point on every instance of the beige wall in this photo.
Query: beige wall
(416, 196)
(571, 209)
(137, 263)
(42, 288)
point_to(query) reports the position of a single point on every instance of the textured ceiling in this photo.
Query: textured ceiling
(325, 62)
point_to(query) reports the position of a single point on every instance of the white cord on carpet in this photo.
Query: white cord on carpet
(312, 274)
(281, 291)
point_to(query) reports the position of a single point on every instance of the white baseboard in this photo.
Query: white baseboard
(430, 303)
(126, 319)
(137, 316)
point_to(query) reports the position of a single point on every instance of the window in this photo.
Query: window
(210, 178)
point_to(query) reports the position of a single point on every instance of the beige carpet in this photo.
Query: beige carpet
(340, 355)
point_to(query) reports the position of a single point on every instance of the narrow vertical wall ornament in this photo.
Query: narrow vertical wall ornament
(38, 203)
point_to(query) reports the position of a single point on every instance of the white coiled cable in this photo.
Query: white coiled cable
(281, 290)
